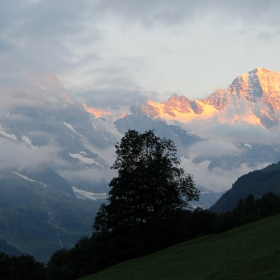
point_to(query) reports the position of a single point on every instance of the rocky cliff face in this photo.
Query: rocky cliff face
(253, 97)
(41, 123)
(50, 149)
(182, 105)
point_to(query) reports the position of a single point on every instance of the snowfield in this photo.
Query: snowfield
(81, 194)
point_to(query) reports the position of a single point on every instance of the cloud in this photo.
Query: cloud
(91, 179)
(217, 179)
(150, 12)
(20, 156)
(88, 177)
(147, 46)
(239, 132)
(114, 97)
(39, 34)
(212, 149)
(65, 32)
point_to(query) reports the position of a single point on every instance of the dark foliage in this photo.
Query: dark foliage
(91, 255)
(23, 267)
(149, 183)
(8, 249)
(147, 194)
(248, 210)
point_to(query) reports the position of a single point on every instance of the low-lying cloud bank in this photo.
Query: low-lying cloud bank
(235, 133)
(217, 179)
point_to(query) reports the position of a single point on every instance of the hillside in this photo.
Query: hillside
(257, 183)
(41, 124)
(248, 252)
(41, 215)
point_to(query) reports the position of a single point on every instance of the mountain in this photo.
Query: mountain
(231, 132)
(56, 152)
(206, 198)
(40, 213)
(8, 249)
(256, 183)
(228, 134)
(41, 124)
(49, 147)
(253, 97)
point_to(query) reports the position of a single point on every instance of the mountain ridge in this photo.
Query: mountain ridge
(233, 130)
(257, 183)
(42, 125)
(253, 97)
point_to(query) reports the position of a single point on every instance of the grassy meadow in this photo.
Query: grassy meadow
(248, 252)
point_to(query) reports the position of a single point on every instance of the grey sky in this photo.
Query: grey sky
(156, 48)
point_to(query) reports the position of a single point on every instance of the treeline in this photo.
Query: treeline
(98, 252)
(248, 210)
(23, 267)
(91, 255)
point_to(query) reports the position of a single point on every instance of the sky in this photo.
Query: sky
(122, 49)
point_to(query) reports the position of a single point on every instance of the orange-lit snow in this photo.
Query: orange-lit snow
(123, 115)
(97, 113)
(68, 98)
(249, 94)
(208, 112)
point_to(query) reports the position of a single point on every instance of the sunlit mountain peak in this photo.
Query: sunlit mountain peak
(253, 97)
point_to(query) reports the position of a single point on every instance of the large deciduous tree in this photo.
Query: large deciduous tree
(150, 188)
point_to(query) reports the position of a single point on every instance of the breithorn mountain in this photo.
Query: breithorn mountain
(253, 97)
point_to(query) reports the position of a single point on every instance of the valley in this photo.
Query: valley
(59, 150)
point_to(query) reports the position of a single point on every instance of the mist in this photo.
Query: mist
(216, 179)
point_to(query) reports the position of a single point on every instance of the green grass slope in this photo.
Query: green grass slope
(248, 252)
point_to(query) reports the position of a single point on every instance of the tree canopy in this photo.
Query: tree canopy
(149, 188)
